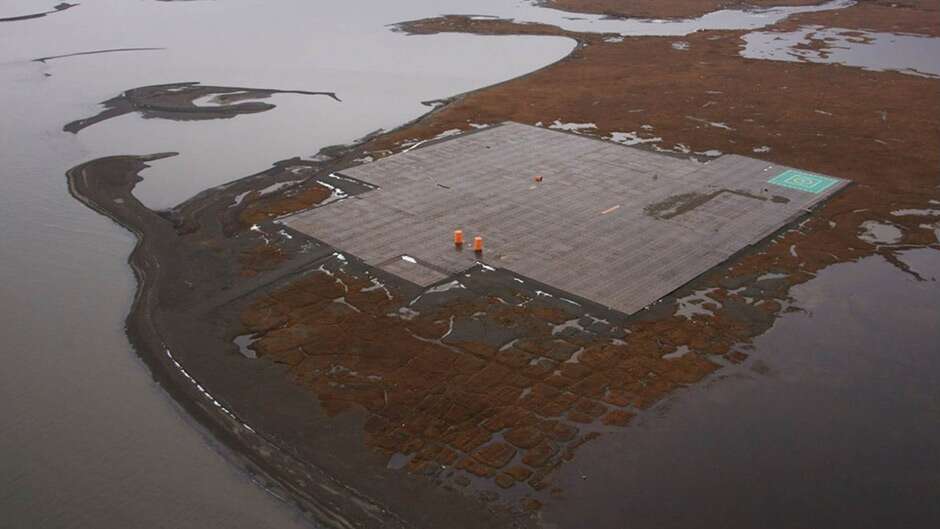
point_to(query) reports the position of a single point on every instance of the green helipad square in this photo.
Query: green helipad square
(803, 181)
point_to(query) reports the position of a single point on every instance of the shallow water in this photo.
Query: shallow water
(908, 54)
(833, 421)
(381, 76)
(880, 233)
(89, 439)
(722, 19)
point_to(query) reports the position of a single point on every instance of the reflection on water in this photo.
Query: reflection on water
(834, 421)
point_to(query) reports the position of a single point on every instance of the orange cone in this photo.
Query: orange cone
(458, 237)
(478, 244)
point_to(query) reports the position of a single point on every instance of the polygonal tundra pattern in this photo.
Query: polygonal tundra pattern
(614, 224)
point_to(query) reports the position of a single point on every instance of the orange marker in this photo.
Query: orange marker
(478, 244)
(458, 237)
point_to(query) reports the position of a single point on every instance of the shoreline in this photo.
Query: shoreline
(257, 455)
(155, 248)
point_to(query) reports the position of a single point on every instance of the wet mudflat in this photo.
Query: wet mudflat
(457, 418)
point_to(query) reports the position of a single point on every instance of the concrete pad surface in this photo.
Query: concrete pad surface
(617, 225)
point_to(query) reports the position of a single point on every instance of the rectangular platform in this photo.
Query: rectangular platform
(617, 225)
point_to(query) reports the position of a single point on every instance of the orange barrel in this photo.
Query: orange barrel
(458, 237)
(478, 244)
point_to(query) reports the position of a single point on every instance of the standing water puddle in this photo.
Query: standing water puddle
(244, 342)
(908, 54)
(723, 19)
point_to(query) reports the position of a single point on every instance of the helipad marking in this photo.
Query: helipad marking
(802, 181)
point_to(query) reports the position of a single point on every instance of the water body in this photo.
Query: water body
(89, 439)
(381, 76)
(722, 19)
(909, 54)
(344, 48)
(833, 421)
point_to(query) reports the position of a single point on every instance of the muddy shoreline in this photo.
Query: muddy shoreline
(106, 185)
(201, 265)
(282, 466)
(55, 9)
(177, 101)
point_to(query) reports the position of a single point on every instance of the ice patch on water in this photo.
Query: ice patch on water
(680, 148)
(378, 285)
(212, 100)
(244, 342)
(447, 134)
(335, 192)
(572, 127)
(880, 233)
(632, 138)
(692, 305)
(439, 288)
(574, 323)
(716, 124)
(680, 351)
(405, 313)
(711, 153)
(916, 212)
(257, 229)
